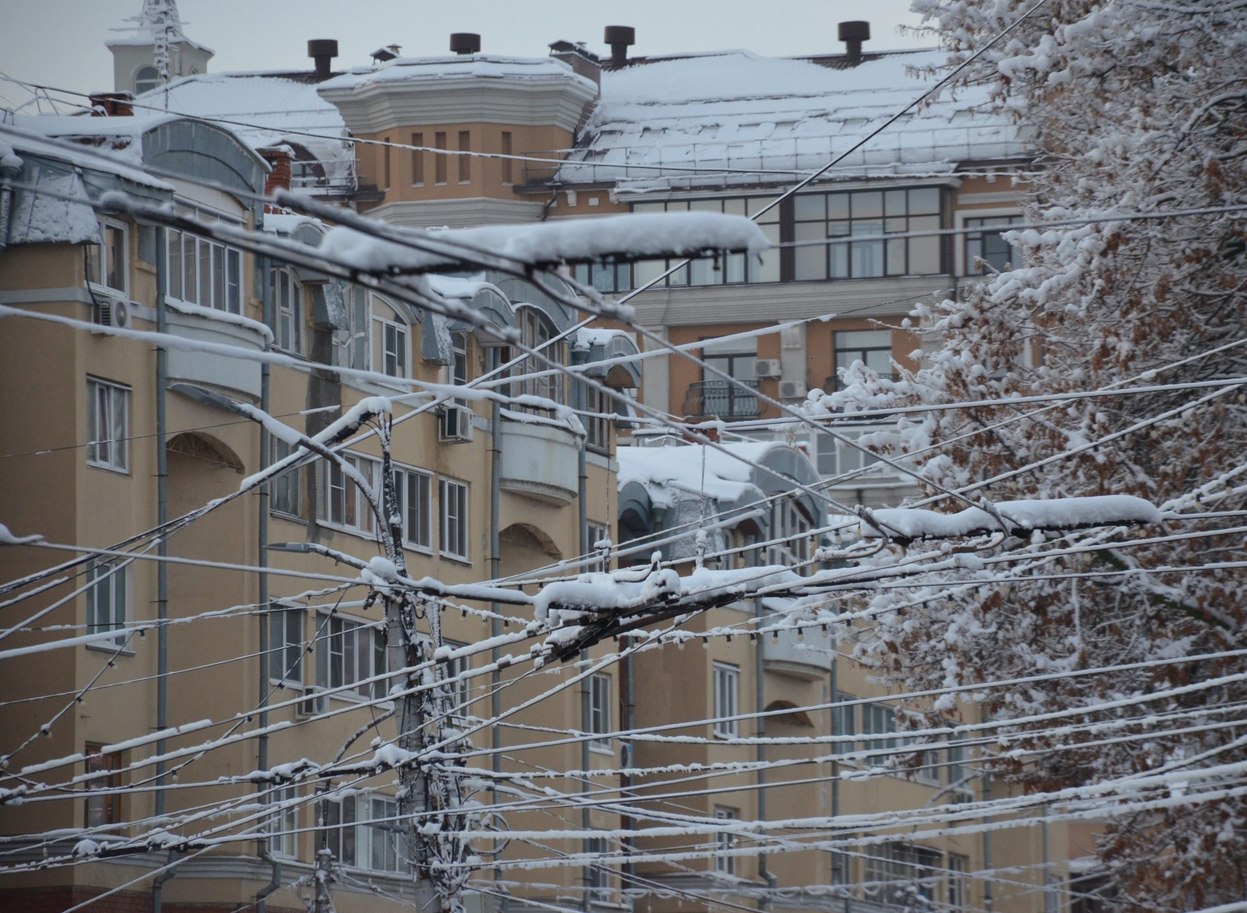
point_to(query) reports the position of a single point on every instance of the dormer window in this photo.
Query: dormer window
(146, 79)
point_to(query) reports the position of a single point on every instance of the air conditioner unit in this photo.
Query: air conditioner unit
(791, 389)
(111, 311)
(455, 425)
(767, 367)
(313, 703)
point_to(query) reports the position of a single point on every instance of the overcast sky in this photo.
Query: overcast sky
(61, 42)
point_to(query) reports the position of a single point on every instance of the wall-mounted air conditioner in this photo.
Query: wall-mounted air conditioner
(791, 389)
(454, 425)
(767, 367)
(111, 311)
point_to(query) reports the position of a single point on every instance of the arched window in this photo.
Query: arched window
(536, 331)
(376, 338)
(146, 79)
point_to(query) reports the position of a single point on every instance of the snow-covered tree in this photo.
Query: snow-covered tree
(1140, 110)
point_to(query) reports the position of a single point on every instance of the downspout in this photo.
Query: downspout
(262, 844)
(495, 624)
(162, 552)
(989, 902)
(835, 772)
(580, 355)
(759, 703)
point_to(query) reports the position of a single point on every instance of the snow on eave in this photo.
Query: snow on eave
(461, 66)
(91, 159)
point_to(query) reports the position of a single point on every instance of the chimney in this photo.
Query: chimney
(620, 38)
(853, 34)
(279, 177)
(323, 51)
(112, 104)
(465, 43)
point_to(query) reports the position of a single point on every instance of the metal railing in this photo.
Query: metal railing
(722, 399)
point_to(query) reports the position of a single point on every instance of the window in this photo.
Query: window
(605, 277)
(600, 711)
(599, 536)
(597, 876)
(415, 494)
(987, 251)
(417, 159)
(534, 376)
(726, 700)
(283, 837)
(348, 653)
(459, 359)
(391, 351)
(507, 164)
(844, 723)
(146, 79)
(726, 399)
(287, 295)
(439, 157)
(958, 772)
(873, 348)
(203, 272)
(458, 685)
(284, 490)
(958, 894)
(453, 502)
(465, 160)
(285, 646)
(878, 720)
(730, 269)
(596, 419)
(108, 262)
(344, 504)
(103, 772)
(725, 842)
(350, 345)
(898, 873)
(791, 526)
(870, 215)
(363, 831)
(108, 425)
(107, 591)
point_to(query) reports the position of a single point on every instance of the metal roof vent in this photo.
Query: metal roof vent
(323, 51)
(465, 43)
(853, 34)
(620, 38)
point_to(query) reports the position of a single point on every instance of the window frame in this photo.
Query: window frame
(725, 841)
(287, 645)
(976, 227)
(362, 842)
(453, 528)
(342, 505)
(108, 582)
(417, 482)
(285, 492)
(223, 284)
(725, 679)
(338, 641)
(112, 452)
(287, 295)
(102, 770)
(600, 716)
(283, 831)
(111, 256)
(843, 712)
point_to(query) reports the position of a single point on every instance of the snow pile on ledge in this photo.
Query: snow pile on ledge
(549, 243)
(1054, 513)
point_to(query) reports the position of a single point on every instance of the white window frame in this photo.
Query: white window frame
(600, 715)
(879, 720)
(351, 345)
(725, 679)
(453, 505)
(108, 589)
(283, 835)
(286, 646)
(844, 722)
(285, 490)
(342, 504)
(349, 652)
(287, 296)
(725, 841)
(375, 842)
(392, 347)
(111, 256)
(221, 289)
(108, 425)
(415, 501)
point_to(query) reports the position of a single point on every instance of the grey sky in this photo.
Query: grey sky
(61, 42)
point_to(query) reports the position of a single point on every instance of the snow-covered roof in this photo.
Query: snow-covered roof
(684, 472)
(263, 110)
(460, 66)
(38, 136)
(737, 110)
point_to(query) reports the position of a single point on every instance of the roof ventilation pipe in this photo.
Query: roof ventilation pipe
(620, 38)
(465, 43)
(323, 51)
(853, 34)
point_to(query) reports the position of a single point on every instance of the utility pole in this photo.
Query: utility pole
(322, 900)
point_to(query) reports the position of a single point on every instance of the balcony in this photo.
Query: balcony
(805, 654)
(236, 376)
(538, 458)
(722, 399)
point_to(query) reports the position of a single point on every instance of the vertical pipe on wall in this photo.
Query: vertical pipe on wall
(495, 626)
(162, 549)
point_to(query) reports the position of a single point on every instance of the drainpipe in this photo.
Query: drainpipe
(262, 844)
(162, 551)
(495, 625)
(835, 771)
(989, 902)
(759, 671)
(580, 355)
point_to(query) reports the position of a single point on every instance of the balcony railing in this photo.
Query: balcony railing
(722, 399)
